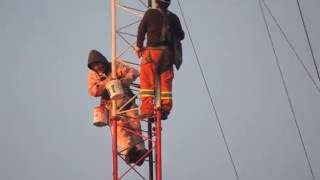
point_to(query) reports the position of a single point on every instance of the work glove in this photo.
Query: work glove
(125, 82)
(138, 51)
(105, 81)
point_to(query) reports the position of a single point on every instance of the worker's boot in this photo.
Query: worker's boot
(131, 156)
(141, 156)
(164, 115)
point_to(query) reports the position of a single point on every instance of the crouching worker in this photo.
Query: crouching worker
(129, 137)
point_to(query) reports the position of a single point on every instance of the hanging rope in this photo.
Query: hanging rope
(209, 93)
(309, 42)
(291, 46)
(286, 89)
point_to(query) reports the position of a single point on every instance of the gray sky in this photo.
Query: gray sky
(46, 130)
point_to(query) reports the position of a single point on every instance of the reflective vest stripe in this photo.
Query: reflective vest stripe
(166, 95)
(166, 98)
(147, 92)
(146, 95)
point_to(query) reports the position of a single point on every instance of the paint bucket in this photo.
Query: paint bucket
(115, 89)
(100, 116)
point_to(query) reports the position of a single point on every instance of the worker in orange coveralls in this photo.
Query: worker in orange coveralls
(161, 26)
(131, 144)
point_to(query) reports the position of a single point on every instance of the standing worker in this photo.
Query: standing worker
(162, 28)
(131, 143)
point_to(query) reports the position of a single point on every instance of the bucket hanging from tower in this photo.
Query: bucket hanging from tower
(115, 89)
(100, 116)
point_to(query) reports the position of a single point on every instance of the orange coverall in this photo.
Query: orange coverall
(156, 61)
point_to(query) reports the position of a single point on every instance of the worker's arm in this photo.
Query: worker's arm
(95, 85)
(142, 30)
(126, 74)
(177, 28)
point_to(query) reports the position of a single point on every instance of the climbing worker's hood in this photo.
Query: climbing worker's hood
(96, 57)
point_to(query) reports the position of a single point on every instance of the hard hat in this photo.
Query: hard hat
(163, 1)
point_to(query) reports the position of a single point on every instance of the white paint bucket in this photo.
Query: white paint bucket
(115, 89)
(100, 116)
